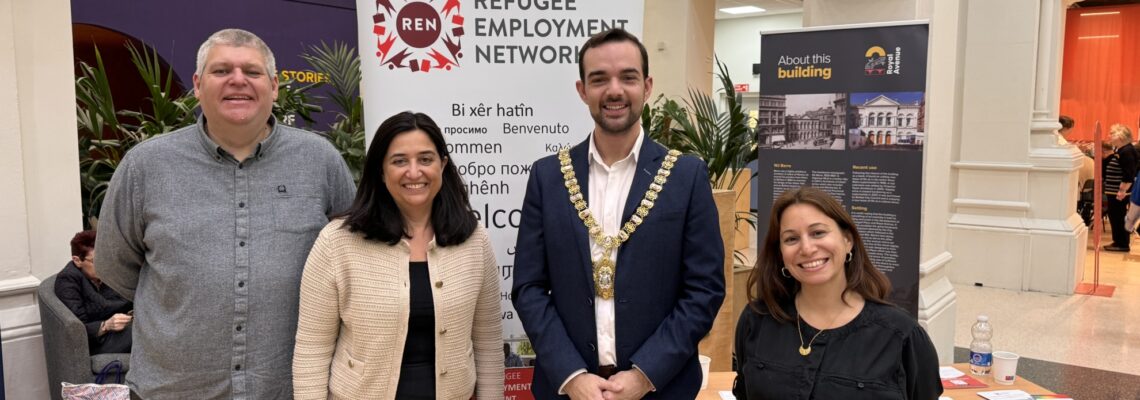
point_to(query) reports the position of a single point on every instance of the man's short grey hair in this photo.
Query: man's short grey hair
(236, 38)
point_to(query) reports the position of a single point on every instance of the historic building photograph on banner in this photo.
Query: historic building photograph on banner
(887, 121)
(802, 121)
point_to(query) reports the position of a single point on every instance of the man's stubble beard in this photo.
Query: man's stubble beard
(605, 127)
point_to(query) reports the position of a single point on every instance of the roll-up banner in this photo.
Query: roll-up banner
(843, 109)
(498, 77)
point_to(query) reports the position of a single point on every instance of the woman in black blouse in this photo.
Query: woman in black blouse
(818, 325)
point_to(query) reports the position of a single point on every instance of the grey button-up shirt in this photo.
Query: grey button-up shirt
(211, 251)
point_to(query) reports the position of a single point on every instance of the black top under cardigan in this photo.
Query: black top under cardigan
(417, 367)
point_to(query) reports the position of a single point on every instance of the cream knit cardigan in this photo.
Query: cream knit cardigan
(354, 318)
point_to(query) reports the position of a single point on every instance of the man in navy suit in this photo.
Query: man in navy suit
(618, 270)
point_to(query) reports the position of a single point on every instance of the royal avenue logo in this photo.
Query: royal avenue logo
(879, 62)
(418, 36)
(876, 61)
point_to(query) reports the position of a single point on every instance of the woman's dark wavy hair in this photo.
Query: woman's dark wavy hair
(375, 213)
(765, 283)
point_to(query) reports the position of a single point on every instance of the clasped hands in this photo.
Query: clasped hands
(116, 323)
(630, 384)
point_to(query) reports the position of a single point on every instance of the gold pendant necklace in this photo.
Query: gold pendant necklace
(806, 349)
(605, 269)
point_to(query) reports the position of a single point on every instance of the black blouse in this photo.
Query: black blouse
(882, 354)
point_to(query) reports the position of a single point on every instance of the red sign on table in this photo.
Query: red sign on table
(740, 87)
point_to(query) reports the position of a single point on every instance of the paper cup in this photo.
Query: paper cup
(705, 361)
(1005, 367)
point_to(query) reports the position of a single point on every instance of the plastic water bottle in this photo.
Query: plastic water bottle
(981, 350)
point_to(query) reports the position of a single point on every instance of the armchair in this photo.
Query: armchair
(66, 351)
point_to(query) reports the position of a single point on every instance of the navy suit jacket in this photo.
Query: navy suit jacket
(669, 281)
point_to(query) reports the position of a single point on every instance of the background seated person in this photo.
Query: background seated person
(1086, 171)
(512, 359)
(103, 312)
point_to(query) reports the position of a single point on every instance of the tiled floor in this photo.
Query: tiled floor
(1101, 333)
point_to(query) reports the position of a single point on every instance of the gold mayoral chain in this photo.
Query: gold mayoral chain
(604, 268)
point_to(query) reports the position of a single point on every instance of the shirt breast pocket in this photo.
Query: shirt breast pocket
(771, 381)
(298, 208)
(842, 387)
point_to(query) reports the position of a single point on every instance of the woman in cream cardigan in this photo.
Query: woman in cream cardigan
(400, 296)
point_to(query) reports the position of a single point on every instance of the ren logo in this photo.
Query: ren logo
(417, 36)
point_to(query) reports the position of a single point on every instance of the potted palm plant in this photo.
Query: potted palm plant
(721, 137)
(341, 66)
(718, 135)
(106, 133)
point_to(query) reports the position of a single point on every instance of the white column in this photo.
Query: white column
(1013, 222)
(937, 301)
(39, 173)
(1054, 185)
(679, 38)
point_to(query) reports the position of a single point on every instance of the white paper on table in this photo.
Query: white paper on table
(726, 395)
(1006, 395)
(949, 372)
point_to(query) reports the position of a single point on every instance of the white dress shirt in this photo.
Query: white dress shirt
(608, 191)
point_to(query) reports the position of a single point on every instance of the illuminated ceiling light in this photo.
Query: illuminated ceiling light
(1093, 14)
(742, 10)
(1099, 37)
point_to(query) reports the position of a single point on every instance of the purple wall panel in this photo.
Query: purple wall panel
(177, 28)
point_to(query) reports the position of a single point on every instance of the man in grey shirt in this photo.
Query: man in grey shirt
(207, 229)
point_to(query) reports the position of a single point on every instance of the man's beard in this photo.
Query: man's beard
(613, 127)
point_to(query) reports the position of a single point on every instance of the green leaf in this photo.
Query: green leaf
(715, 132)
(340, 65)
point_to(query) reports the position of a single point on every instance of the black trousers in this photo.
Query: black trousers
(112, 342)
(1117, 209)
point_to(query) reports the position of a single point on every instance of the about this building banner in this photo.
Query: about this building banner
(843, 109)
(498, 76)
